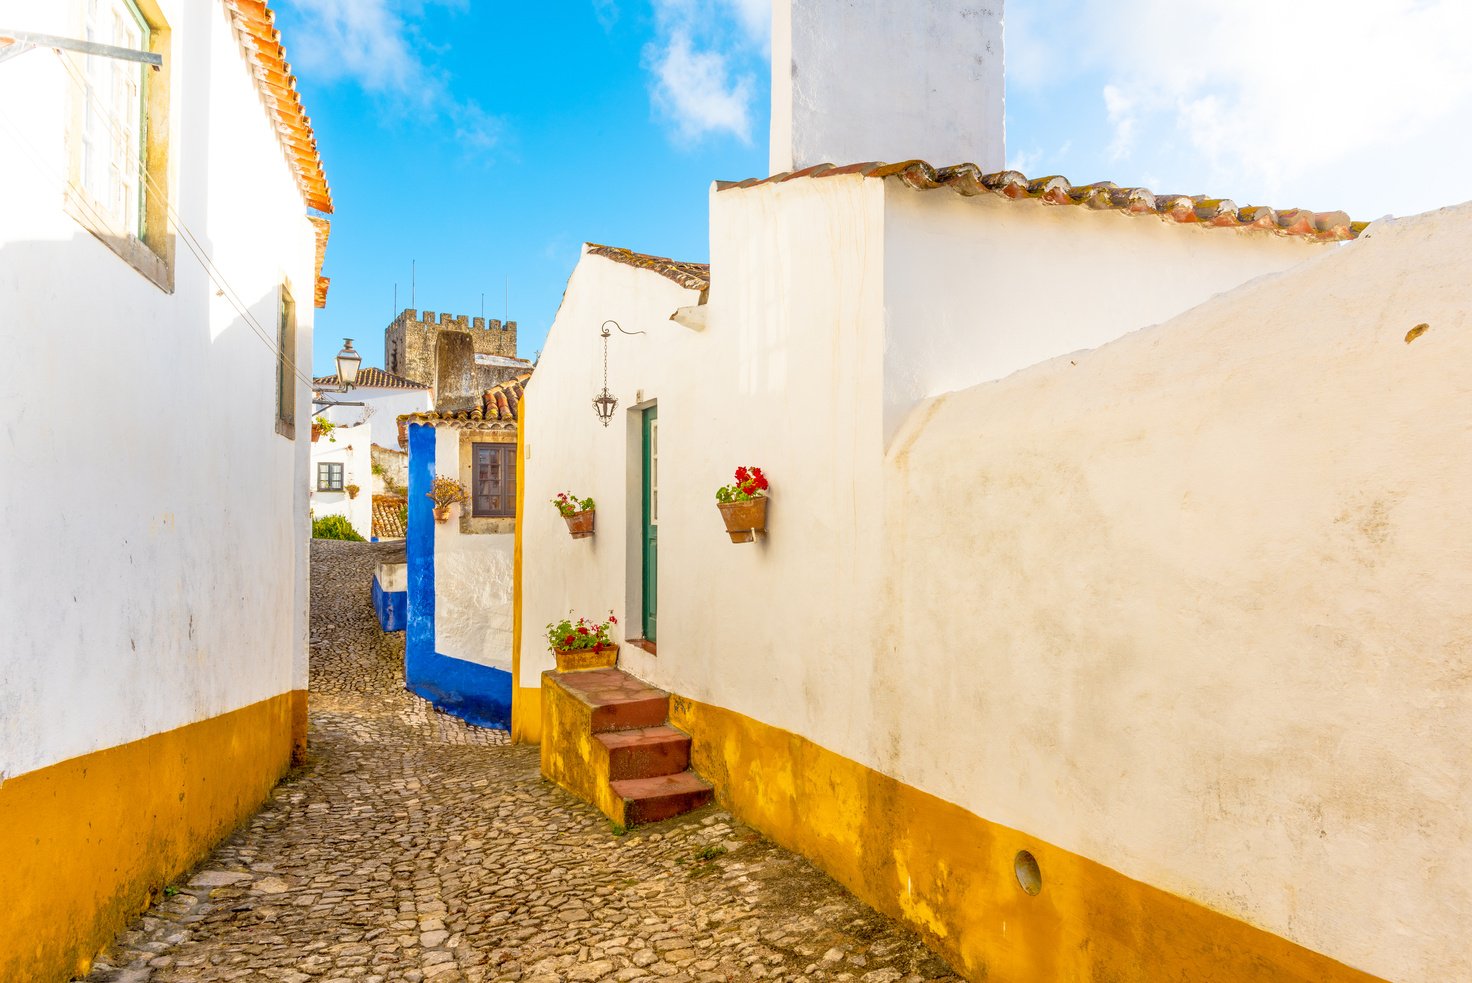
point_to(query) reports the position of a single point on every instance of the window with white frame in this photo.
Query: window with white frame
(114, 118)
(329, 476)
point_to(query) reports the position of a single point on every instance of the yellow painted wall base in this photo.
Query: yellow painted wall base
(86, 843)
(951, 874)
(526, 715)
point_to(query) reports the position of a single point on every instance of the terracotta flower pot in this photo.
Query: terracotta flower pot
(352, 493)
(744, 519)
(581, 660)
(316, 432)
(441, 513)
(580, 524)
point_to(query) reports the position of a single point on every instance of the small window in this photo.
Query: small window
(493, 480)
(286, 366)
(329, 476)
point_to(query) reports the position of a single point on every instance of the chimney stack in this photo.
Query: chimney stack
(868, 80)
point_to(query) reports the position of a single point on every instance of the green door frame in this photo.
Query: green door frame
(650, 525)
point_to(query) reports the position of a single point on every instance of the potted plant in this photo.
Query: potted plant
(743, 504)
(352, 490)
(578, 512)
(319, 427)
(583, 644)
(445, 492)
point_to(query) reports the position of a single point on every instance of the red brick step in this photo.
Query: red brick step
(645, 753)
(648, 800)
(618, 700)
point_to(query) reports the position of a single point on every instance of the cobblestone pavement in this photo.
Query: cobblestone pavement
(415, 847)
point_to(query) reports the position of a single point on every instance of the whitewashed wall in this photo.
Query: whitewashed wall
(154, 571)
(1218, 564)
(472, 579)
(382, 412)
(977, 288)
(351, 447)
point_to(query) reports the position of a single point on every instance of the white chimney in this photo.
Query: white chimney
(887, 80)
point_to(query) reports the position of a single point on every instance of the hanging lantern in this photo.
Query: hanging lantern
(605, 402)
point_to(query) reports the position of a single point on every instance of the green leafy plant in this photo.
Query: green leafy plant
(376, 468)
(570, 505)
(404, 516)
(170, 890)
(580, 636)
(750, 483)
(325, 428)
(335, 527)
(446, 491)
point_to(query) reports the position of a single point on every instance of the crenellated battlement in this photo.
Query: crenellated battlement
(413, 341)
(453, 322)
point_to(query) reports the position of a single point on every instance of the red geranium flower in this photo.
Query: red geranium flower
(568, 640)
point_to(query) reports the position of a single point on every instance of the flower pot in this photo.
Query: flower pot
(441, 513)
(581, 660)
(580, 524)
(316, 432)
(352, 493)
(744, 519)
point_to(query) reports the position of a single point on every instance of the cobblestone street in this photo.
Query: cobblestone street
(415, 847)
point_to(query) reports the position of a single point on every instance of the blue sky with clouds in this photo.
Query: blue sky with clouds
(484, 141)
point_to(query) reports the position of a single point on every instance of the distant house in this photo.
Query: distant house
(162, 237)
(458, 580)
(385, 397)
(340, 477)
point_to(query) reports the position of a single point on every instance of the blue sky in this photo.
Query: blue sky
(485, 141)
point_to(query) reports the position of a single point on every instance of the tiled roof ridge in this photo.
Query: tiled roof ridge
(692, 276)
(500, 408)
(969, 180)
(255, 26)
(386, 524)
(372, 378)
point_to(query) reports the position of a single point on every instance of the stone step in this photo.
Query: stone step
(647, 752)
(648, 800)
(617, 700)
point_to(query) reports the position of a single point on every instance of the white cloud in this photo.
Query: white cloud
(703, 64)
(1311, 97)
(377, 45)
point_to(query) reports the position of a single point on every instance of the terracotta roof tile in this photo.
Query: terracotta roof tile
(500, 409)
(371, 378)
(387, 523)
(255, 26)
(694, 276)
(323, 229)
(968, 180)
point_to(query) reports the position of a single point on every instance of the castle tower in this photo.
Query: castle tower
(869, 80)
(459, 356)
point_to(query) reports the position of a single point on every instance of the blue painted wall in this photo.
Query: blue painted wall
(392, 607)
(473, 692)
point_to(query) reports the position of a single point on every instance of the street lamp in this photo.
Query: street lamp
(606, 402)
(347, 366)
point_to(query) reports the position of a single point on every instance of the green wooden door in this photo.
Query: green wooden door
(651, 520)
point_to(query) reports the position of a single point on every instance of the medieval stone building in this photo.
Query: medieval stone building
(459, 356)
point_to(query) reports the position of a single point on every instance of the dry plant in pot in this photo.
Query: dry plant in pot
(743, 504)
(445, 492)
(578, 512)
(583, 644)
(352, 490)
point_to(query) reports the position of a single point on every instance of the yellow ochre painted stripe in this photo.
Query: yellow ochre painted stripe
(951, 874)
(86, 844)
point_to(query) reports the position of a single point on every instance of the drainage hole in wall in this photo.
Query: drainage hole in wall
(1029, 876)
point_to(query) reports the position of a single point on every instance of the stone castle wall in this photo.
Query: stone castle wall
(411, 344)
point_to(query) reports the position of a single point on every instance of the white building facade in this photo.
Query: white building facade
(340, 477)
(158, 234)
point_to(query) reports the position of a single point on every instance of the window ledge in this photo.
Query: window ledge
(642, 643)
(131, 250)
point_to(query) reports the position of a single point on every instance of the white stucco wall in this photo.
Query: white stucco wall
(868, 80)
(1216, 567)
(1222, 571)
(351, 447)
(472, 579)
(977, 288)
(154, 569)
(382, 411)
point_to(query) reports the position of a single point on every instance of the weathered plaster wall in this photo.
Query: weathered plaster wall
(1218, 575)
(868, 80)
(978, 288)
(170, 599)
(352, 449)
